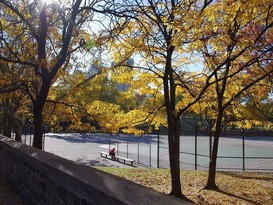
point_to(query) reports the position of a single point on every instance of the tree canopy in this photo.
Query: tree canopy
(211, 57)
(229, 41)
(39, 39)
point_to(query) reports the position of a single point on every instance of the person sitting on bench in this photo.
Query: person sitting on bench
(112, 153)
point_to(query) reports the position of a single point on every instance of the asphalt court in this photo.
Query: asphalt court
(85, 147)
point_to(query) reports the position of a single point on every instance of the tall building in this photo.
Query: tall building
(93, 70)
(122, 86)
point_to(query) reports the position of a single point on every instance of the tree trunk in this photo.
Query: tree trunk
(7, 126)
(38, 106)
(211, 182)
(174, 142)
(173, 128)
(17, 124)
(18, 133)
(38, 126)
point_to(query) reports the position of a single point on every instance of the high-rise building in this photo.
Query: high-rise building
(93, 70)
(123, 87)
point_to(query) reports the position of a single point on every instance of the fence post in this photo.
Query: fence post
(13, 133)
(210, 139)
(127, 150)
(117, 147)
(158, 148)
(138, 152)
(43, 145)
(195, 147)
(243, 137)
(109, 142)
(150, 155)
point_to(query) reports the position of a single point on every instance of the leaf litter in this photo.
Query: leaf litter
(242, 188)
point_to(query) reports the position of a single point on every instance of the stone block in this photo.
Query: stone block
(35, 187)
(49, 187)
(55, 201)
(43, 197)
(84, 202)
(73, 199)
(62, 193)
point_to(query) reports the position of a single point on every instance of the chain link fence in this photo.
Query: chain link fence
(242, 151)
(237, 150)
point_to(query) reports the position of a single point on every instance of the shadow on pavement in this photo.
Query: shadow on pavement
(103, 163)
(102, 138)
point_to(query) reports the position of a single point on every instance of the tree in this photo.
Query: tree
(256, 106)
(15, 106)
(151, 33)
(234, 41)
(39, 39)
(14, 111)
(99, 102)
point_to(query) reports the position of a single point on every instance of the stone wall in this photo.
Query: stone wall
(46, 179)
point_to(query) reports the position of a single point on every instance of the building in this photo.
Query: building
(122, 86)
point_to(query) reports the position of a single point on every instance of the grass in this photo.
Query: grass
(234, 187)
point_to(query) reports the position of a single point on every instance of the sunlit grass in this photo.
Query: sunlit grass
(234, 187)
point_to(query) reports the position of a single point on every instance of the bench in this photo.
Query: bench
(104, 154)
(125, 159)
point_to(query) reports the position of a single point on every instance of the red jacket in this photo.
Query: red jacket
(112, 151)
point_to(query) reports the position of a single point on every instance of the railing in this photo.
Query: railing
(140, 152)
